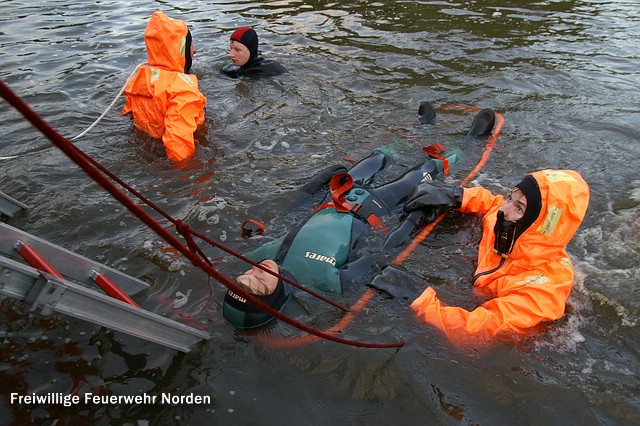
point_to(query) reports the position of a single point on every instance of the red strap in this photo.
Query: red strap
(434, 151)
(246, 233)
(377, 223)
(322, 206)
(339, 189)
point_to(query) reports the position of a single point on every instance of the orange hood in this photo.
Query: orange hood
(166, 40)
(565, 197)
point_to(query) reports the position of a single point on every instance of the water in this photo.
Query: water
(564, 74)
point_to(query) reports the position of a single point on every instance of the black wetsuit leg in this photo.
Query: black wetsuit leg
(396, 192)
(365, 170)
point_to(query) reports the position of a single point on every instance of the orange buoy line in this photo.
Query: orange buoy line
(277, 342)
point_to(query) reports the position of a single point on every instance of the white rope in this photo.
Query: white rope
(110, 105)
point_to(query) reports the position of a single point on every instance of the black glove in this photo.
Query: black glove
(434, 195)
(398, 283)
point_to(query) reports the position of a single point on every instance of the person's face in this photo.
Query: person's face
(514, 206)
(239, 53)
(258, 281)
(193, 50)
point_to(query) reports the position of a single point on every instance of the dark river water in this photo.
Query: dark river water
(565, 75)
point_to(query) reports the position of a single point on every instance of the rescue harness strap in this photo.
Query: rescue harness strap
(434, 151)
(340, 185)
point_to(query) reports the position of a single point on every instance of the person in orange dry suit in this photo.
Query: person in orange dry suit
(523, 267)
(163, 98)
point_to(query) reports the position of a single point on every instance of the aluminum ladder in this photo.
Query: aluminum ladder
(56, 280)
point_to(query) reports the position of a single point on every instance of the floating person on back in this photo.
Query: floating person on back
(245, 59)
(162, 97)
(318, 253)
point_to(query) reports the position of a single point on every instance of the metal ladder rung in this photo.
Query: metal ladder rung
(49, 289)
(35, 259)
(9, 206)
(112, 289)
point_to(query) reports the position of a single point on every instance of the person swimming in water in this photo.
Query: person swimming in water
(317, 253)
(243, 47)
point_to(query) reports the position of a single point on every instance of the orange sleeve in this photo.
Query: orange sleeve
(478, 200)
(185, 111)
(523, 302)
(454, 322)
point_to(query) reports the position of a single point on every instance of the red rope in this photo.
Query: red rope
(87, 164)
(186, 232)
